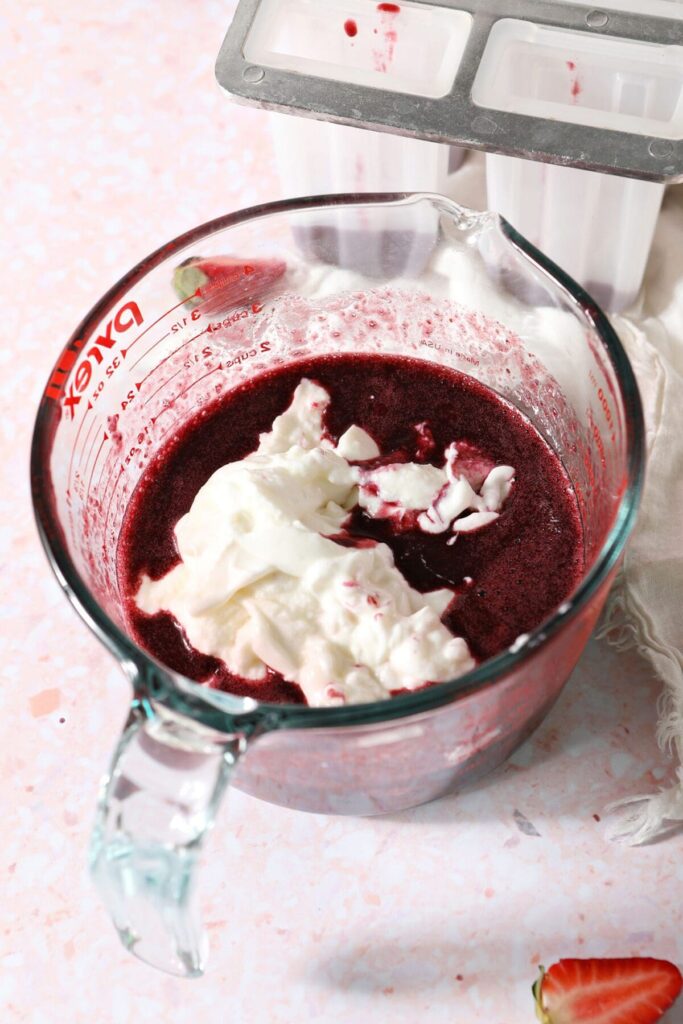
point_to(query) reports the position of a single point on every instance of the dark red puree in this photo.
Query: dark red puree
(522, 565)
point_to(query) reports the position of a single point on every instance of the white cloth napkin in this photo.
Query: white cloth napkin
(645, 608)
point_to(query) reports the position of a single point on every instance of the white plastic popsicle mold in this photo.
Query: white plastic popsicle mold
(579, 109)
(315, 157)
(598, 227)
(340, 158)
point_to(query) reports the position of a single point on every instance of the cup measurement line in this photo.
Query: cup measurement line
(155, 419)
(106, 486)
(111, 498)
(181, 393)
(203, 377)
(93, 423)
(90, 450)
(197, 294)
(166, 432)
(171, 429)
(138, 384)
(104, 466)
(147, 352)
(163, 385)
(75, 444)
(105, 437)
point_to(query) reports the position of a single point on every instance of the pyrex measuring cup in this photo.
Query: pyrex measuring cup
(471, 294)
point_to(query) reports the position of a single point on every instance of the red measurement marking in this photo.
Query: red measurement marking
(158, 416)
(389, 8)
(138, 384)
(162, 385)
(85, 443)
(170, 430)
(350, 27)
(106, 490)
(104, 438)
(111, 496)
(104, 466)
(73, 450)
(197, 295)
(93, 423)
(203, 377)
(111, 473)
(139, 360)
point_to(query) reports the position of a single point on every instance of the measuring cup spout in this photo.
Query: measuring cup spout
(156, 805)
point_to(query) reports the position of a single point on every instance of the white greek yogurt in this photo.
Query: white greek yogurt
(263, 584)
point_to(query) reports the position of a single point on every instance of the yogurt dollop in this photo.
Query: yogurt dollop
(263, 584)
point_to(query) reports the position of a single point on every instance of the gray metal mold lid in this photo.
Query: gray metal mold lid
(472, 112)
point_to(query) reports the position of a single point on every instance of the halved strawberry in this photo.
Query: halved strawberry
(633, 990)
(225, 281)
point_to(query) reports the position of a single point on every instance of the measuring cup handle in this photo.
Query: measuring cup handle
(156, 804)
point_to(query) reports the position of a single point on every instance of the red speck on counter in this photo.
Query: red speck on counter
(571, 65)
(389, 8)
(350, 27)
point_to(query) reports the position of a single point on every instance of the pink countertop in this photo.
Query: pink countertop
(114, 138)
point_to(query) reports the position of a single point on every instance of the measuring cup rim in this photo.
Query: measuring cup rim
(227, 712)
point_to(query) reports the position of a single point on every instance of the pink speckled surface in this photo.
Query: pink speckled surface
(114, 138)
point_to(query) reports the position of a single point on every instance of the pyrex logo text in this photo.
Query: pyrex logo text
(123, 319)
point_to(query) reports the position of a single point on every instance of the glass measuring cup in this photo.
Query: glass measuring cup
(143, 360)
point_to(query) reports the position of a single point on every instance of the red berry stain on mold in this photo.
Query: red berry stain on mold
(574, 86)
(350, 27)
(383, 57)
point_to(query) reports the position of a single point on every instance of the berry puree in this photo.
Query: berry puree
(507, 576)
